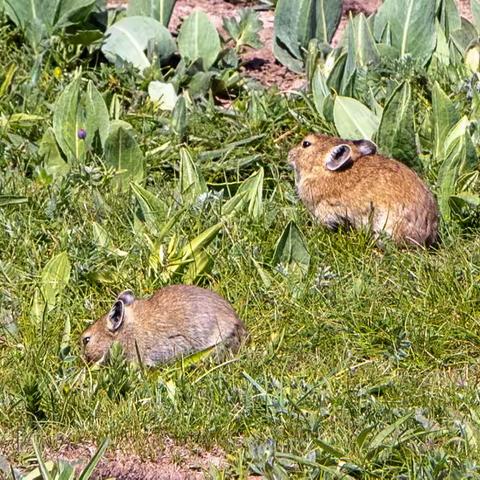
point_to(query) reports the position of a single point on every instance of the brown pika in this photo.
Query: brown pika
(344, 182)
(176, 321)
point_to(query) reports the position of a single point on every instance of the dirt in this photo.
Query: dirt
(165, 461)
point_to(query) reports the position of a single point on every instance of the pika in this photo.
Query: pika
(176, 321)
(344, 182)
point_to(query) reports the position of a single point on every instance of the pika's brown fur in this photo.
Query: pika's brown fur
(176, 321)
(345, 182)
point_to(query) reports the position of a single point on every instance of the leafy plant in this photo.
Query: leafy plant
(160, 10)
(127, 40)
(198, 40)
(205, 63)
(81, 124)
(61, 470)
(291, 255)
(54, 279)
(40, 19)
(296, 23)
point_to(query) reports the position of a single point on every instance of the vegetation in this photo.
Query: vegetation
(361, 363)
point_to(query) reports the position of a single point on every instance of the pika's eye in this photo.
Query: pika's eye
(85, 340)
(306, 144)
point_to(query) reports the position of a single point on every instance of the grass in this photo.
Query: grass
(367, 366)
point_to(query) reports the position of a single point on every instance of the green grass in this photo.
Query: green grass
(366, 339)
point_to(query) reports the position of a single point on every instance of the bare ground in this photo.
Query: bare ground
(167, 462)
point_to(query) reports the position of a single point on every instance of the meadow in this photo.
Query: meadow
(362, 362)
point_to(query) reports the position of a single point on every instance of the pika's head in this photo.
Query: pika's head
(318, 153)
(97, 339)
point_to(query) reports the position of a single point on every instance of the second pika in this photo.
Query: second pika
(174, 322)
(345, 182)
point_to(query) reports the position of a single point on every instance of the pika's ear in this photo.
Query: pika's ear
(127, 297)
(338, 157)
(365, 147)
(115, 316)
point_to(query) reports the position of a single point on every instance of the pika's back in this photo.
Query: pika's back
(175, 321)
(348, 182)
(182, 302)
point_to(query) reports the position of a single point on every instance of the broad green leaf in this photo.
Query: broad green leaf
(249, 194)
(198, 40)
(200, 84)
(153, 210)
(179, 117)
(75, 111)
(254, 193)
(83, 37)
(464, 200)
(194, 248)
(296, 23)
(348, 74)
(71, 12)
(460, 158)
(127, 40)
(53, 162)
(291, 251)
(160, 10)
(335, 77)
(9, 75)
(475, 6)
(201, 263)
(123, 153)
(286, 34)
(380, 437)
(42, 18)
(353, 120)
(464, 37)
(103, 240)
(329, 13)
(68, 119)
(283, 55)
(192, 183)
(91, 465)
(244, 31)
(97, 118)
(412, 26)
(100, 235)
(442, 49)
(19, 119)
(25, 13)
(54, 278)
(361, 49)
(320, 90)
(12, 200)
(449, 16)
(396, 134)
(34, 17)
(163, 94)
(444, 117)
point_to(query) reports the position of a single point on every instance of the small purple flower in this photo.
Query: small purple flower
(82, 134)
